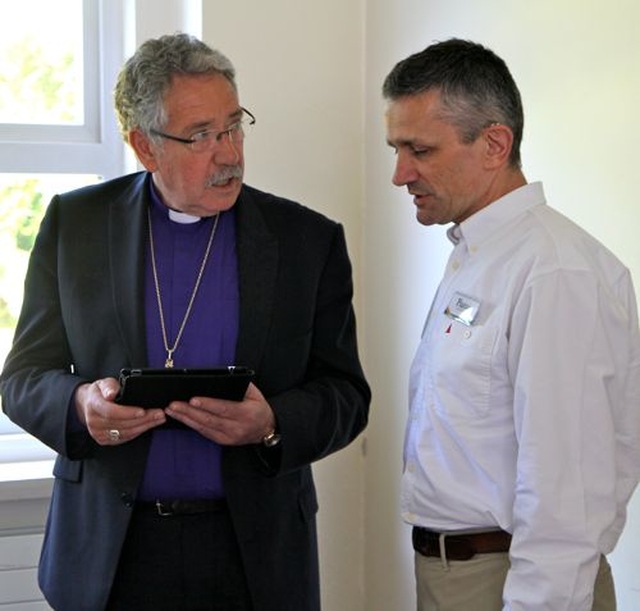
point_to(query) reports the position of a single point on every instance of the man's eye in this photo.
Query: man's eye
(233, 129)
(420, 152)
(201, 136)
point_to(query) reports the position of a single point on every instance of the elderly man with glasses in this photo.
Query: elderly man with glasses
(202, 502)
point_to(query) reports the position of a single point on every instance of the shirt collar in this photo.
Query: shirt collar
(454, 233)
(503, 211)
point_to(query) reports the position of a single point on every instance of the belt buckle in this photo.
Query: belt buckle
(163, 510)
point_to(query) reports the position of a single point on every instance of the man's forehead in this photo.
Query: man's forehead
(202, 99)
(408, 118)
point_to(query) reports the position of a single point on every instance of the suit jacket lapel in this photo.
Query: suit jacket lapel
(127, 240)
(257, 268)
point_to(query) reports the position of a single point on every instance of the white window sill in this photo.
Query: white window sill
(18, 448)
(25, 471)
(20, 490)
(26, 467)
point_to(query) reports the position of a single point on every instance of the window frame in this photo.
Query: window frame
(96, 148)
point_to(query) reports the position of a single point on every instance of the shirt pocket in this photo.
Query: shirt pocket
(462, 359)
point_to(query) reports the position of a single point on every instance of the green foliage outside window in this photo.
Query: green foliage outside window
(37, 86)
(21, 211)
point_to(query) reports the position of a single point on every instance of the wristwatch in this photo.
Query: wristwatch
(271, 439)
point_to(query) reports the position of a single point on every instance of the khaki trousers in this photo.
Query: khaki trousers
(477, 584)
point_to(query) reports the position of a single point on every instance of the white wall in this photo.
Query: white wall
(577, 64)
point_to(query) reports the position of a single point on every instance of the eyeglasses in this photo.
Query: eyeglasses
(208, 139)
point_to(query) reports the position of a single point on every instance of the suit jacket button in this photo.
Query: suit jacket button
(127, 499)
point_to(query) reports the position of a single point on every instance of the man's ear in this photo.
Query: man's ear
(145, 151)
(499, 141)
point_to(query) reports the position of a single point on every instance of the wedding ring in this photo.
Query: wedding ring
(114, 435)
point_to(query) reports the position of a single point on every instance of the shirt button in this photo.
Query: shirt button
(467, 334)
(455, 265)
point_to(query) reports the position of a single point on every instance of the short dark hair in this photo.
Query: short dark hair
(475, 85)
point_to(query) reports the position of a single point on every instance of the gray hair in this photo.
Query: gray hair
(146, 76)
(475, 86)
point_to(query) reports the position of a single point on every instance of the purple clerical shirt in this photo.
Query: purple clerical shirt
(181, 463)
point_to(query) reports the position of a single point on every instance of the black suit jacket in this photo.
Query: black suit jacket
(83, 319)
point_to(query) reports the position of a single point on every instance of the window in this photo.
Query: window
(57, 132)
(42, 72)
(56, 77)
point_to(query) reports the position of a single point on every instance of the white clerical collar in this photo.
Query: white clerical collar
(182, 217)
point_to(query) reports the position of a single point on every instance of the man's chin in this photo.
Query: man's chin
(426, 219)
(221, 198)
(211, 205)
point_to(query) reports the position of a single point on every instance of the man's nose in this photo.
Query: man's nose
(227, 152)
(405, 171)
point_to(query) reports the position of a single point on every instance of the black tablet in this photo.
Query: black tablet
(156, 388)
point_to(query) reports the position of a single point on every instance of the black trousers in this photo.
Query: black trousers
(180, 563)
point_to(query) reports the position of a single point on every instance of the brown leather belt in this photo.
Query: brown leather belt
(179, 507)
(459, 547)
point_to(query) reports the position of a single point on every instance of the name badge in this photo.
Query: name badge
(463, 308)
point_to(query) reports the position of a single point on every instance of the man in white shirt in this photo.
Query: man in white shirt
(523, 441)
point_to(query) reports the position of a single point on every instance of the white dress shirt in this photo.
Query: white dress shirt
(525, 398)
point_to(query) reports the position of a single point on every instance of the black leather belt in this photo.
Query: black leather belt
(459, 546)
(179, 507)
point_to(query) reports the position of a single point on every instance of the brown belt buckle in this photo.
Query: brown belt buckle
(443, 545)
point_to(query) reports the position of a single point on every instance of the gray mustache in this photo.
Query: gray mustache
(228, 172)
